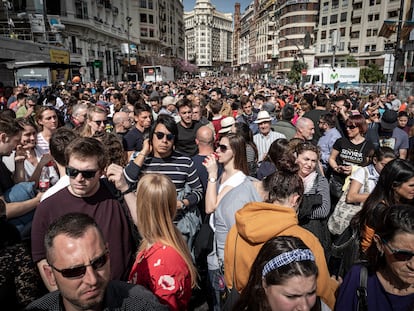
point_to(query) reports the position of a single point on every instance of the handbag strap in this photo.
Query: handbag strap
(362, 289)
(366, 189)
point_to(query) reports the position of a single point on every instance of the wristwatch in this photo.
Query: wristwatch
(212, 180)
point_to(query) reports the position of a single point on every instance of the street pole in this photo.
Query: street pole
(397, 44)
(128, 19)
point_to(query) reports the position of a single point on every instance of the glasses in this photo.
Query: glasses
(375, 114)
(73, 173)
(160, 135)
(100, 122)
(80, 271)
(223, 148)
(351, 127)
(398, 254)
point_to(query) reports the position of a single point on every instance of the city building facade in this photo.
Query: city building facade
(95, 39)
(208, 35)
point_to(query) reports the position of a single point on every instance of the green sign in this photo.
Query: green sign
(97, 64)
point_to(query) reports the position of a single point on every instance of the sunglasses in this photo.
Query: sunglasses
(87, 174)
(351, 127)
(80, 271)
(160, 135)
(375, 114)
(99, 122)
(399, 255)
(223, 148)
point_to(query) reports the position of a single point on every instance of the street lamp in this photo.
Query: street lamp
(128, 19)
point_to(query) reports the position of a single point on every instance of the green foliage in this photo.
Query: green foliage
(371, 74)
(351, 61)
(294, 74)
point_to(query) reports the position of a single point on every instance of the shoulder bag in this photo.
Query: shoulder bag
(343, 212)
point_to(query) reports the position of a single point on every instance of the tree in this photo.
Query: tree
(351, 61)
(371, 74)
(295, 73)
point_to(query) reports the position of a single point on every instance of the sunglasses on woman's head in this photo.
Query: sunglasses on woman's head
(80, 271)
(399, 254)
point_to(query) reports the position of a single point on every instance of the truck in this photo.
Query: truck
(331, 77)
(158, 73)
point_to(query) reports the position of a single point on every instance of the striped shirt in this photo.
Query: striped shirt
(180, 169)
(263, 142)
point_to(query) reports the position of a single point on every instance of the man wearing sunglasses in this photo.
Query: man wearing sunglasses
(158, 156)
(78, 264)
(90, 194)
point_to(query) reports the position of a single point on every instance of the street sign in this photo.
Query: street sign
(388, 64)
(304, 72)
(97, 64)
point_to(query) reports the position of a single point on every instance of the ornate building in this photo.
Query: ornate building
(208, 37)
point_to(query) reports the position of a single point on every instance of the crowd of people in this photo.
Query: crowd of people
(227, 192)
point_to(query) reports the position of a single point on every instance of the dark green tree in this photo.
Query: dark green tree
(294, 74)
(351, 61)
(371, 74)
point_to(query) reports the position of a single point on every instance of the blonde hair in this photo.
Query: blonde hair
(87, 131)
(156, 209)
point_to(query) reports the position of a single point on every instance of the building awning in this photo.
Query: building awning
(53, 66)
(390, 27)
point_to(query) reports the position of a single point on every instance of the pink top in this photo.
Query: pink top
(163, 271)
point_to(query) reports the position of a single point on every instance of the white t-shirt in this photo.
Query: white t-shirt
(359, 176)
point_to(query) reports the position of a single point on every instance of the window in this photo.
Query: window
(323, 34)
(376, 17)
(343, 16)
(325, 6)
(335, 4)
(342, 31)
(353, 49)
(369, 32)
(354, 34)
(324, 20)
(323, 47)
(341, 46)
(356, 20)
(367, 48)
(143, 4)
(334, 19)
(344, 3)
(370, 17)
(357, 6)
(81, 8)
(373, 48)
(393, 13)
(143, 18)
(150, 5)
(374, 32)
(151, 19)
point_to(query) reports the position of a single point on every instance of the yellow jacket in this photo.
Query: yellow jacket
(256, 223)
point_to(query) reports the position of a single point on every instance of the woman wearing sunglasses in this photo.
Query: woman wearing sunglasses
(163, 264)
(390, 278)
(348, 152)
(96, 121)
(225, 195)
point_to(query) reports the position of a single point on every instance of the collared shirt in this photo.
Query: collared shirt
(263, 142)
(326, 143)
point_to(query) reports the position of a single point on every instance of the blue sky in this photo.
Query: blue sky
(224, 6)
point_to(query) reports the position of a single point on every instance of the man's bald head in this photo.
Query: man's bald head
(205, 135)
(119, 117)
